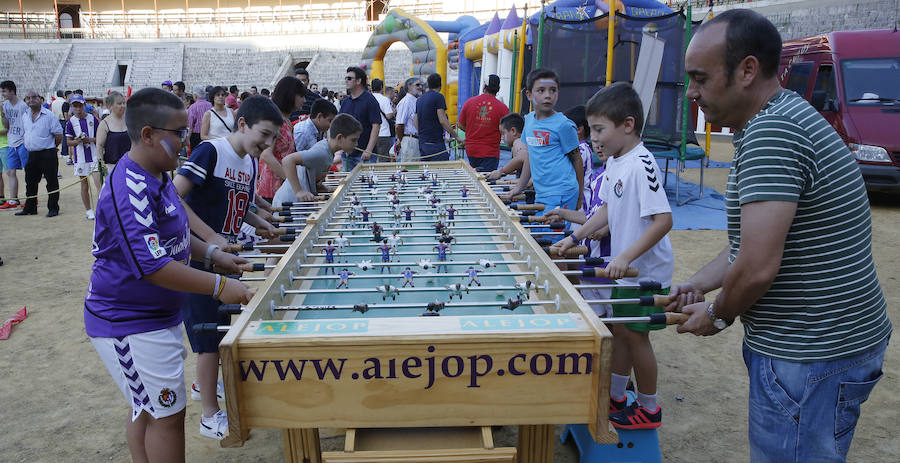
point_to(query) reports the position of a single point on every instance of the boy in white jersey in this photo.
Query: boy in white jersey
(639, 218)
(81, 135)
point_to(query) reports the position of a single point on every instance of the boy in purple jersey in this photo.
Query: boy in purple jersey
(141, 244)
(329, 257)
(81, 135)
(219, 183)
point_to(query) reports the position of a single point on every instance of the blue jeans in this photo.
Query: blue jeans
(428, 151)
(487, 164)
(808, 411)
(350, 161)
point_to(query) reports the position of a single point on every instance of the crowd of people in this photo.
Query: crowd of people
(812, 353)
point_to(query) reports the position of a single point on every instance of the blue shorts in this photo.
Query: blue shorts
(16, 157)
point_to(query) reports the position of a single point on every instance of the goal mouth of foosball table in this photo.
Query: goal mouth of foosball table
(558, 396)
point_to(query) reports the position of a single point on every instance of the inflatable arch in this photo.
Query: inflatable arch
(429, 52)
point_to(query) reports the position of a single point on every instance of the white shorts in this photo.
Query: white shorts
(602, 310)
(149, 370)
(409, 149)
(83, 169)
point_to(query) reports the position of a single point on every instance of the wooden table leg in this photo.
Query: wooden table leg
(301, 445)
(536, 443)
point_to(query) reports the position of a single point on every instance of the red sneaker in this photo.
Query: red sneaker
(636, 417)
(10, 205)
(616, 406)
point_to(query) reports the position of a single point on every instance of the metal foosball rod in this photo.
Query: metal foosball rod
(422, 243)
(367, 226)
(666, 318)
(418, 275)
(389, 289)
(488, 264)
(645, 285)
(432, 235)
(411, 253)
(599, 272)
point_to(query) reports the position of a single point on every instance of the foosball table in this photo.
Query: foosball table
(414, 302)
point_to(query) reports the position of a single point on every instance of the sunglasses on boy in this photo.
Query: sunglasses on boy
(183, 134)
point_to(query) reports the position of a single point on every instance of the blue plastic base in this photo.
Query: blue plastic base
(634, 446)
(638, 446)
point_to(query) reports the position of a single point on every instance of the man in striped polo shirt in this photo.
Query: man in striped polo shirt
(798, 269)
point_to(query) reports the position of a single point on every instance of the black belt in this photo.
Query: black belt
(414, 136)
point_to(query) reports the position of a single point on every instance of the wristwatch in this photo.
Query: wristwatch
(718, 323)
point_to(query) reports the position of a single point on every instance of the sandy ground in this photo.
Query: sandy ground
(58, 404)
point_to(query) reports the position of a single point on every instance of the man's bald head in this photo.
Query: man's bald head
(741, 33)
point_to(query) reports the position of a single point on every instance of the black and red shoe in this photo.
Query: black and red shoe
(616, 406)
(636, 417)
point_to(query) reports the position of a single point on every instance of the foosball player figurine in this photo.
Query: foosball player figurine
(341, 243)
(442, 213)
(473, 276)
(385, 254)
(439, 227)
(376, 232)
(425, 263)
(457, 289)
(397, 216)
(464, 192)
(329, 256)
(435, 201)
(355, 200)
(408, 277)
(442, 249)
(362, 307)
(351, 216)
(388, 291)
(523, 289)
(451, 214)
(435, 307)
(446, 237)
(395, 241)
(512, 304)
(365, 214)
(409, 215)
(344, 275)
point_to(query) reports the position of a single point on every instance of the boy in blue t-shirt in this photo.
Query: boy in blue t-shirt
(219, 183)
(554, 160)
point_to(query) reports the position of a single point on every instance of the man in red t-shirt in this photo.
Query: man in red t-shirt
(480, 119)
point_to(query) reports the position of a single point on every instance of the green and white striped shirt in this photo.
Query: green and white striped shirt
(825, 302)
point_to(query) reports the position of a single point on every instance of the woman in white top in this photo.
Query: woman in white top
(218, 122)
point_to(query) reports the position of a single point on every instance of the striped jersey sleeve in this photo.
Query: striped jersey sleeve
(826, 301)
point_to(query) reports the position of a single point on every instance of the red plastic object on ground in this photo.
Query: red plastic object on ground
(6, 329)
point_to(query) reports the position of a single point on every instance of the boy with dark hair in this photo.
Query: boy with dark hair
(511, 126)
(219, 183)
(311, 129)
(305, 169)
(554, 161)
(139, 278)
(639, 218)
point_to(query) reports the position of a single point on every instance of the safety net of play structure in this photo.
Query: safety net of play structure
(577, 50)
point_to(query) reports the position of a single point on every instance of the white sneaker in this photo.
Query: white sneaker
(89, 214)
(215, 426)
(220, 391)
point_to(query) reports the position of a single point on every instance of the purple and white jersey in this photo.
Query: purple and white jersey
(224, 185)
(75, 127)
(591, 204)
(140, 227)
(587, 161)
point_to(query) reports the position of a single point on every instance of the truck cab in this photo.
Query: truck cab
(853, 79)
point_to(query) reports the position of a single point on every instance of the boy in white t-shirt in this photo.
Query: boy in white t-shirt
(639, 218)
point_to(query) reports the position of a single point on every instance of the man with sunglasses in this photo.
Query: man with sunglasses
(407, 135)
(42, 135)
(362, 105)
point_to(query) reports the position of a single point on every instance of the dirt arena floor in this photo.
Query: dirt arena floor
(58, 404)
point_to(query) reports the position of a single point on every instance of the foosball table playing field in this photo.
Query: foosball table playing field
(416, 311)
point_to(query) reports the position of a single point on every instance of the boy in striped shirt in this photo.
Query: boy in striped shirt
(81, 135)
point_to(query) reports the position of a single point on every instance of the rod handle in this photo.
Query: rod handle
(237, 247)
(206, 328)
(573, 252)
(251, 267)
(230, 309)
(527, 207)
(650, 285)
(668, 318)
(601, 272)
(594, 262)
(289, 237)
